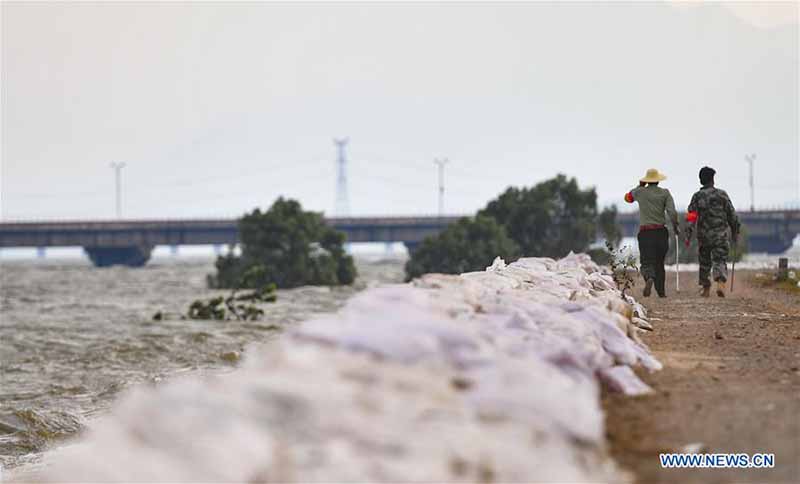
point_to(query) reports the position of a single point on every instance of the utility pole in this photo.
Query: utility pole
(441, 162)
(118, 166)
(750, 159)
(342, 206)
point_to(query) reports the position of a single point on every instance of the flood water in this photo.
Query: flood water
(73, 336)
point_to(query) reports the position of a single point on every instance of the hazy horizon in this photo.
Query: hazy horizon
(218, 108)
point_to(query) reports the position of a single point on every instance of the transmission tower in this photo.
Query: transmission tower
(342, 206)
(118, 166)
(441, 162)
(751, 158)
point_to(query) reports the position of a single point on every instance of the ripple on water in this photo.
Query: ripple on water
(73, 337)
(25, 431)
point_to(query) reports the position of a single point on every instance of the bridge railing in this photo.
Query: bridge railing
(770, 231)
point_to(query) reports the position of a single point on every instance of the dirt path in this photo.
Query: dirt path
(730, 381)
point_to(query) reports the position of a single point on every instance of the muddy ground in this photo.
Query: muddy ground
(731, 381)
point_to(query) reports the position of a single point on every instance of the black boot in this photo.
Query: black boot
(660, 286)
(648, 288)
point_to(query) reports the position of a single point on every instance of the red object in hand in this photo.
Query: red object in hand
(629, 197)
(691, 217)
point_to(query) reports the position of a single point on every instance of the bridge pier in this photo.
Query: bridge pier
(132, 256)
(411, 247)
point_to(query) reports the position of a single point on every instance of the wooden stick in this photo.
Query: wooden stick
(677, 264)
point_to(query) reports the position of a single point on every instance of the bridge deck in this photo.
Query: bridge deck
(768, 231)
(127, 233)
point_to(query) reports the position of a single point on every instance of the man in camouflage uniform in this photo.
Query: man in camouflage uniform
(712, 213)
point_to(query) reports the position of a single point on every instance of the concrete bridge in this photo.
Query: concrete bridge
(130, 242)
(770, 231)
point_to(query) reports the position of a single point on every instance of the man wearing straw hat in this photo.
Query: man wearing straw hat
(653, 237)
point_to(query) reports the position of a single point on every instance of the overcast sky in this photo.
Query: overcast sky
(218, 108)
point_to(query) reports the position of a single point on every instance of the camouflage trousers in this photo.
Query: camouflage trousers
(713, 258)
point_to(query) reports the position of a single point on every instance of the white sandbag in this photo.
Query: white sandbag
(622, 378)
(491, 375)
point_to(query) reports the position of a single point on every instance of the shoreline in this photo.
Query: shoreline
(76, 340)
(449, 401)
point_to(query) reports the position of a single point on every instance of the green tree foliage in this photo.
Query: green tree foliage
(609, 230)
(549, 219)
(292, 247)
(608, 227)
(469, 244)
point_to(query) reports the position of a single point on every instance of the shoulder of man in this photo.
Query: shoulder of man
(719, 194)
(722, 193)
(665, 193)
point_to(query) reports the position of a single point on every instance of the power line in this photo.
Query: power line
(271, 170)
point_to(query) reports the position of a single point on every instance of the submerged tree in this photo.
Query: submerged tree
(469, 244)
(242, 306)
(236, 306)
(292, 247)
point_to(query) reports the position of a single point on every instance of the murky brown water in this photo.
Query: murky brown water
(73, 336)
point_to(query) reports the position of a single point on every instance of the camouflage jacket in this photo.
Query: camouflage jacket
(712, 212)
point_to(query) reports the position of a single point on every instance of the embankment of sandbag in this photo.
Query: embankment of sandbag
(486, 376)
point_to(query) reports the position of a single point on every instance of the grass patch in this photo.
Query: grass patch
(769, 281)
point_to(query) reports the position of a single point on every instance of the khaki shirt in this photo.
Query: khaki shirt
(653, 202)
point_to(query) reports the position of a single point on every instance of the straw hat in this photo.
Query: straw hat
(653, 176)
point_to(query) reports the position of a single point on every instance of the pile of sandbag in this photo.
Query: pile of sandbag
(486, 376)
